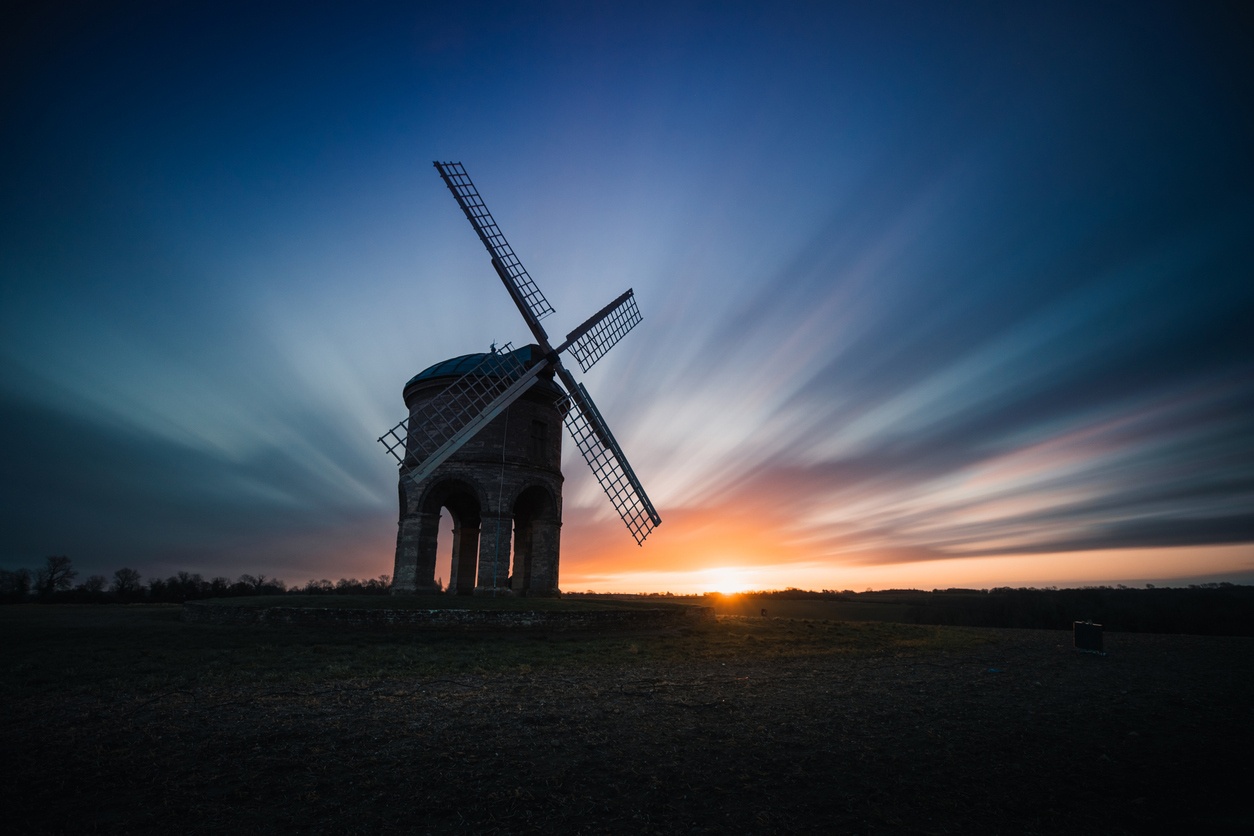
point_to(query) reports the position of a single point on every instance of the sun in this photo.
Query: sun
(727, 580)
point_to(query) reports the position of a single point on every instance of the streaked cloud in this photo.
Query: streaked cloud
(930, 291)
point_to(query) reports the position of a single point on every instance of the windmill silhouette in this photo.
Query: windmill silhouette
(431, 434)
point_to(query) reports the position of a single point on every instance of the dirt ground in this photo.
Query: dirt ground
(1012, 733)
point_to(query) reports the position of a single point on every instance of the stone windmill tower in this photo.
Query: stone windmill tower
(481, 440)
(502, 485)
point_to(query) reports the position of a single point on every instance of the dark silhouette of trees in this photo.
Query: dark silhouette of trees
(381, 585)
(14, 585)
(126, 584)
(90, 591)
(258, 585)
(57, 575)
(1204, 609)
(54, 582)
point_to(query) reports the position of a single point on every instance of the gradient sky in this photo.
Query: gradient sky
(934, 294)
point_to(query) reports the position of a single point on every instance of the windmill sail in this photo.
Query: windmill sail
(590, 341)
(526, 294)
(425, 440)
(601, 451)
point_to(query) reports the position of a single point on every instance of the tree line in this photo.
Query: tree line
(1221, 609)
(54, 582)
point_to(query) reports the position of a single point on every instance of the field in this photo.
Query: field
(127, 720)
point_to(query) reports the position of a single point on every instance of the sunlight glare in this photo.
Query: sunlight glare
(727, 580)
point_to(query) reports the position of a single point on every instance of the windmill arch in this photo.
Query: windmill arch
(464, 504)
(537, 527)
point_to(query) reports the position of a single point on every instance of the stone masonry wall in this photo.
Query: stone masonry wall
(206, 612)
(494, 473)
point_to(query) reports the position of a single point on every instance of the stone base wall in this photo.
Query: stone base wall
(209, 613)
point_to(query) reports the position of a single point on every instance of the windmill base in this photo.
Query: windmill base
(514, 616)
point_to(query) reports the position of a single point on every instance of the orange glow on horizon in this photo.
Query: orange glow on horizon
(671, 570)
(741, 549)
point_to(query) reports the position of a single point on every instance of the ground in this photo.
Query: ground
(128, 720)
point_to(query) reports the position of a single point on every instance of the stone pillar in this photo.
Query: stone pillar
(465, 554)
(545, 540)
(414, 570)
(521, 566)
(494, 555)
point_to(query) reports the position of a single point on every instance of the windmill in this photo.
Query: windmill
(426, 439)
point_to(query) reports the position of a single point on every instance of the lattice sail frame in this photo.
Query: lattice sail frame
(413, 443)
(600, 450)
(502, 253)
(612, 327)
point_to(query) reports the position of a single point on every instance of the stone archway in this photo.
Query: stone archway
(417, 539)
(537, 525)
(464, 508)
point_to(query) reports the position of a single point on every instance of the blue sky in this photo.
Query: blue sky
(933, 293)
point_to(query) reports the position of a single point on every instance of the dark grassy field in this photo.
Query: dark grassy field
(751, 606)
(127, 720)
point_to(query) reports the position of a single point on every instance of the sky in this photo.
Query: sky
(934, 294)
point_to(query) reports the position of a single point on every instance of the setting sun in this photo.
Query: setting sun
(727, 580)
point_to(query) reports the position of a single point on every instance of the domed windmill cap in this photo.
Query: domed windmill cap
(467, 363)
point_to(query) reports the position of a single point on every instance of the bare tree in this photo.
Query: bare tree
(319, 587)
(14, 585)
(56, 575)
(125, 583)
(253, 581)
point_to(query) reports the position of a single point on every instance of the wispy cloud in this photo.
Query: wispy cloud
(918, 293)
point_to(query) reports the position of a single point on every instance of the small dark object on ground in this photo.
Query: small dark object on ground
(1088, 637)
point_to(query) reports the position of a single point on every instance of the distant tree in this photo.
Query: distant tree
(126, 584)
(254, 582)
(14, 585)
(187, 587)
(349, 586)
(157, 590)
(219, 587)
(90, 591)
(57, 575)
(316, 587)
(258, 585)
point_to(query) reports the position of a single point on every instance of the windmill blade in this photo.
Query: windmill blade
(590, 341)
(602, 453)
(526, 294)
(425, 440)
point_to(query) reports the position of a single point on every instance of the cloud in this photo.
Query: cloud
(914, 288)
